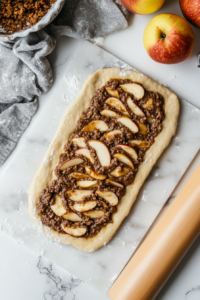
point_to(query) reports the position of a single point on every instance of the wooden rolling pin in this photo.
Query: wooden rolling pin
(160, 253)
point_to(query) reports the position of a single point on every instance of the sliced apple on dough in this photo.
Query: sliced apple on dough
(71, 216)
(117, 104)
(78, 231)
(79, 142)
(94, 214)
(118, 171)
(129, 124)
(113, 93)
(124, 159)
(78, 195)
(140, 144)
(70, 163)
(110, 197)
(58, 207)
(87, 183)
(78, 175)
(129, 150)
(109, 113)
(85, 152)
(102, 152)
(94, 174)
(115, 183)
(85, 206)
(103, 204)
(149, 103)
(133, 88)
(142, 128)
(149, 120)
(112, 133)
(96, 125)
(135, 108)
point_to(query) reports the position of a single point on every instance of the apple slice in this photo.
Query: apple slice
(142, 128)
(124, 159)
(94, 174)
(78, 231)
(117, 104)
(78, 175)
(78, 195)
(87, 183)
(149, 103)
(115, 183)
(96, 125)
(118, 172)
(80, 142)
(110, 197)
(112, 133)
(85, 206)
(129, 124)
(113, 93)
(149, 120)
(71, 216)
(94, 214)
(133, 88)
(140, 144)
(129, 150)
(103, 204)
(85, 152)
(70, 163)
(134, 108)
(102, 152)
(109, 113)
(58, 207)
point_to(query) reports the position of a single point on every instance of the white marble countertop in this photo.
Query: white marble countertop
(28, 276)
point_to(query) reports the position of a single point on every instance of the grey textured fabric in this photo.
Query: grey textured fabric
(25, 73)
(88, 19)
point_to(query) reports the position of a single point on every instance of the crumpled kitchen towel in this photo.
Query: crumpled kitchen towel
(25, 72)
(88, 19)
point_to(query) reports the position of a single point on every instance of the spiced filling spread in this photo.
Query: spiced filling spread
(101, 158)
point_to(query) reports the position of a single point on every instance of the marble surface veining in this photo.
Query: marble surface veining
(14, 218)
(27, 276)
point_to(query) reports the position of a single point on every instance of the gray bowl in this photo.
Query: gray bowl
(47, 19)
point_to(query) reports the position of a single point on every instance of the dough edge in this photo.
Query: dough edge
(67, 125)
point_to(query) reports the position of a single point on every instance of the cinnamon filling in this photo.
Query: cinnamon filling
(101, 158)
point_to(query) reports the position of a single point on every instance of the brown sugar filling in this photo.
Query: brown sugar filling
(16, 15)
(107, 155)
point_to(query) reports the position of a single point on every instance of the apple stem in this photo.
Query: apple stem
(163, 35)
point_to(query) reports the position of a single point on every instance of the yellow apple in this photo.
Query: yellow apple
(168, 39)
(143, 7)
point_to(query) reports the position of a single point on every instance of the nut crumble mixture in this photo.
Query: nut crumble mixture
(101, 158)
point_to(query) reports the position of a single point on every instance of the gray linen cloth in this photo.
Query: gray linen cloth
(25, 72)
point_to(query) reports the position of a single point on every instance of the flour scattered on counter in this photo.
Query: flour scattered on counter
(71, 84)
(99, 41)
(5, 227)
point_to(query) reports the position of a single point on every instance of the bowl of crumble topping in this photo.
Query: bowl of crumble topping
(20, 17)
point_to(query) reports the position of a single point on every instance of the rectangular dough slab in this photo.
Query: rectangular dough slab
(67, 126)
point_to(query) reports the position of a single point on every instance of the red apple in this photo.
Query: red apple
(191, 11)
(168, 39)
